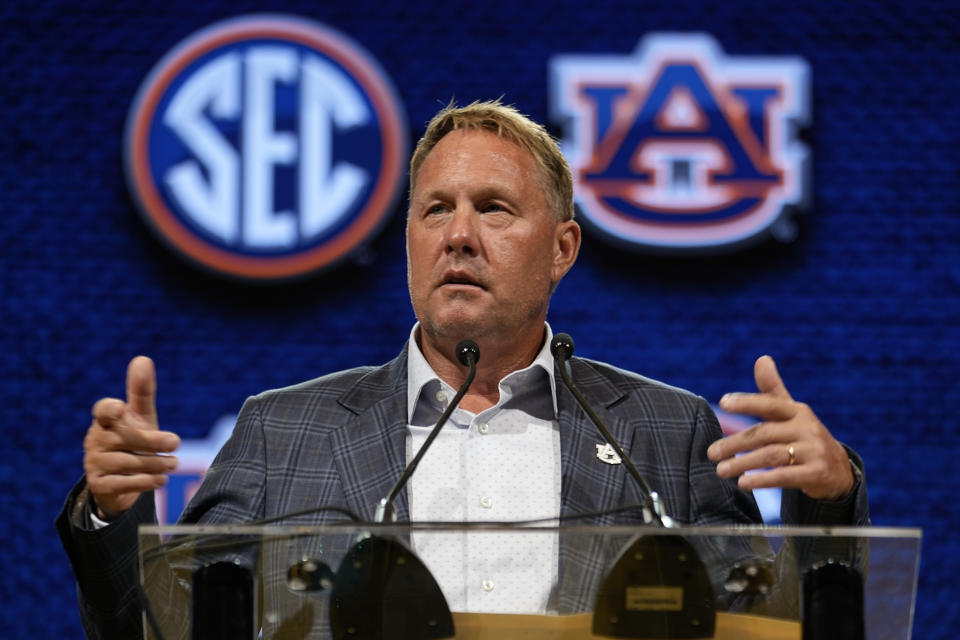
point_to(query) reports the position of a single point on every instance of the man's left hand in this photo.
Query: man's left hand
(790, 449)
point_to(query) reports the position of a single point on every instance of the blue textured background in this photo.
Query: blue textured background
(862, 311)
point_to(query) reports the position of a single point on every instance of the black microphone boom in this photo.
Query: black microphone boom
(562, 349)
(468, 353)
(381, 589)
(679, 600)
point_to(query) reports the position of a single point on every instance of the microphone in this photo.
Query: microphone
(381, 586)
(562, 349)
(468, 353)
(658, 586)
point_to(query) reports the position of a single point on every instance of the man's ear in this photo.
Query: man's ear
(566, 248)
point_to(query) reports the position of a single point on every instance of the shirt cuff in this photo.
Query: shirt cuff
(95, 522)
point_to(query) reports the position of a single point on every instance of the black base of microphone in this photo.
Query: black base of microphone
(658, 588)
(383, 591)
(833, 602)
(223, 602)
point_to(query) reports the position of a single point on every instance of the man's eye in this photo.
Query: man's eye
(491, 207)
(435, 209)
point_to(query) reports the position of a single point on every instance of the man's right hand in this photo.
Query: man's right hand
(122, 450)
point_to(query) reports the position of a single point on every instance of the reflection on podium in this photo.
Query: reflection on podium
(364, 581)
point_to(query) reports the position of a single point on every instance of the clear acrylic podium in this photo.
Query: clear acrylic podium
(364, 581)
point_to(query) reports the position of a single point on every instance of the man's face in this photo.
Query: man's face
(483, 249)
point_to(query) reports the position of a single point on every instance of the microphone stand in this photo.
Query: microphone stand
(468, 354)
(658, 586)
(381, 589)
(562, 349)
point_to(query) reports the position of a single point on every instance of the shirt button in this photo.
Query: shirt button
(441, 396)
(483, 427)
(487, 585)
(486, 502)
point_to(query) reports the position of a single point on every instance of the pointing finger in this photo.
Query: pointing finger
(125, 438)
(126, 463)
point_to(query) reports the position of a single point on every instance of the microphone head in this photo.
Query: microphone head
(467, 352)
(561, 346)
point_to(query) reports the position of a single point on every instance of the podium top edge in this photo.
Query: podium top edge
(403, 529)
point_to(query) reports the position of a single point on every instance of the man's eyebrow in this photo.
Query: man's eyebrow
(437, 193)
(478, 192)
(492, 191)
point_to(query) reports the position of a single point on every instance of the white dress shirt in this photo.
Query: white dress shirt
(502, 464)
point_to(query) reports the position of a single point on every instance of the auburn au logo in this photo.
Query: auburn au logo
(680, 147)
(266, 147)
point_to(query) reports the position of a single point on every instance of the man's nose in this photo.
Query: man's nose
(462, 232)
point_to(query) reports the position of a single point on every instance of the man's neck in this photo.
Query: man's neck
(498, 358)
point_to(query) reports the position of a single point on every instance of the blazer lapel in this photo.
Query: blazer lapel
(370, 449)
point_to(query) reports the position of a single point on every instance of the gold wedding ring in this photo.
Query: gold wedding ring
(791, 456)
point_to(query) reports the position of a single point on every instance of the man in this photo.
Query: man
(490, 234)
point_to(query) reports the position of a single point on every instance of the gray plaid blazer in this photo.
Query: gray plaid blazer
(340, 440)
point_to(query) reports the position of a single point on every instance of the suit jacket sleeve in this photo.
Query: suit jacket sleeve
(105, 564)
(105, 561)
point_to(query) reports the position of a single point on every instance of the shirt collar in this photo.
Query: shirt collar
(420, 373)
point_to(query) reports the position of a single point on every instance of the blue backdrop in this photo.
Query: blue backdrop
(861, 311)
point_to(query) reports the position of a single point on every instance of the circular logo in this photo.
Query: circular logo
(266, 147)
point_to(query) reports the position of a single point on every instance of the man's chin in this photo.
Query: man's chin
(458, 326)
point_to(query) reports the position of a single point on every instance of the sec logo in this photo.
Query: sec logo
(266, 147)
(679, 147)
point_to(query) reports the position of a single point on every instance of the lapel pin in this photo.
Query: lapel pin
(605, 453)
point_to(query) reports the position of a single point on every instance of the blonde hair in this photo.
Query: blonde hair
(508, 123)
